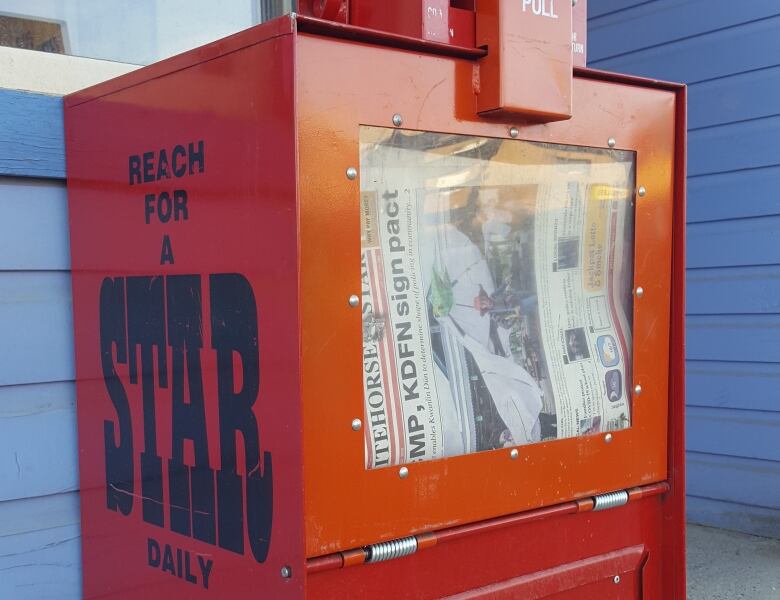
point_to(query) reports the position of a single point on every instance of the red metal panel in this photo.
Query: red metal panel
(528, 68)
(168, 292)
(184, 251)
(579, 34)
(440, 21)
(567, 556)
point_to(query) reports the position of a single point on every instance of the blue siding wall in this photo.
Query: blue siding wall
(40, 554)
(729, 54)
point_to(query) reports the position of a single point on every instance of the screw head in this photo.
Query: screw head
(640, 291)
(616, 579)
(403, 472)
(608, 438)
(514, 453)
(398, 120)
(642, 191)
(351, 173)
(611, 142)
(514, 132)
(354, 301)
(637, 389)
(356, 424)
(285, 572)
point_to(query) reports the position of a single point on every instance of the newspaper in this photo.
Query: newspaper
(496, 293)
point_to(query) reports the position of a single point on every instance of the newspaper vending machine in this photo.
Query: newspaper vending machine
(381, 300)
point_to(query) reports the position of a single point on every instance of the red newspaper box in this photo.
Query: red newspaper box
(342, 333)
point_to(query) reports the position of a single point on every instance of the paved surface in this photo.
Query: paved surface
(723, 565)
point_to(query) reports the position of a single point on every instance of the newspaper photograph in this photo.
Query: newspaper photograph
(497, 281)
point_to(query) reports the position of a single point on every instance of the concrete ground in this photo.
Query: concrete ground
(724, 565)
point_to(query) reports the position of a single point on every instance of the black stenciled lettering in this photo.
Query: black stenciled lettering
(164, 207)
(148, 207)
(163, 169)
(119, 455)
(234, 332)
(146, 328)
(166, 253)
(134, 168)
(180, 212)
(197, 157)
(194, 515)
(148, 167)
(179, 164)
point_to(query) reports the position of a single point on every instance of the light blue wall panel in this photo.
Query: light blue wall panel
(734, 338)
(40, 554)
(734, 243)
(38, 454)
(730, 290)
(735, 146)
(729, 55)
(749, 193)
(37, 324)
(750, 482)
(664, 21)
(40, 548)
(742, 433)
(738, 49)
(33, 224)
(729, 515)
(740, 385)
(739, 97)
(31, 135)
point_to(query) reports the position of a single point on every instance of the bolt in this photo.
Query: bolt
(514, 132)
(642, 191)
(637, 389)
(640, 291)
(616, 579)
(514, 453)
(608, 438)
(356, 424)
(285, 572)
(354, 301)
(351, 173)
(611, 142)
(403, 472)
(398, 120)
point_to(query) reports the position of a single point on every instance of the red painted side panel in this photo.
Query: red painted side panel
(183, 219)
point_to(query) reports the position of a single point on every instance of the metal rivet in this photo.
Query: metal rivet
(642, 191)
(637, 389)
(285, 572)
(640, 291)
(351, 173)
(611, 142)
(354, 301)
(608, 438)
(514, 453)
(398, 120)
(514, 132)
(403, 472)
(356, 424)
(616, 579)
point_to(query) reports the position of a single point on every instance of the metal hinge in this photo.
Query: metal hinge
(611, 500)
(390, 550)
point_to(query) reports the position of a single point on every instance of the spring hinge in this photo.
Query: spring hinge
(390, 550)
(611, 500)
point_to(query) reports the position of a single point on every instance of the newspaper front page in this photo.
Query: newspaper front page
(496, 293)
